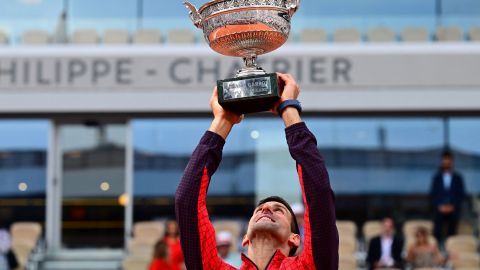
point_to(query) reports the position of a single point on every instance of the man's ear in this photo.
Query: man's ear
(245, 240)
(294, 240)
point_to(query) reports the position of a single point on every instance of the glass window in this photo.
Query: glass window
(18, 16)
(162, 150)
(333, 14)
(461, 13)
(464, 134)
(104, 14)
(23, 146)
(167, 15)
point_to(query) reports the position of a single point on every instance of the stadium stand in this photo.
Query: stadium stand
(414, 34)
(132, 263)
(465, 260)
(184, 36)
(85, 36)
(116, 36)
(147, 36)
(346, 227)
(313, 35)
(371, 229)
(306, 35)
(149, 231)
(474, 33)
(381, 34)
(36, 37)
(141, 246)
(461, 244)
(347, 35)
(449, 33)
(347, 263)
(25, 237)
(3, 38)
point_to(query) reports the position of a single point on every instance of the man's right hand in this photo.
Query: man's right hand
(291, 90)
(223, 120)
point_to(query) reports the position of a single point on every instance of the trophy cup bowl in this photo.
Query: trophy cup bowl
(247, 29)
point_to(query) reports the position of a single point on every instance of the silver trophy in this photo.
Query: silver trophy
(246, 28)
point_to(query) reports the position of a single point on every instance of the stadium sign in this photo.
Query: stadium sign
(172, 79)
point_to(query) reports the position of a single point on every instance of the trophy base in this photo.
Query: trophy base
(249, 94)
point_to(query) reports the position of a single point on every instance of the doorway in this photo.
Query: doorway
(89, 195)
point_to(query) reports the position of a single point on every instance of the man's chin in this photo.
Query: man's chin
(265, 227)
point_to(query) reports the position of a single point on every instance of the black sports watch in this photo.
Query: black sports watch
(289, 103)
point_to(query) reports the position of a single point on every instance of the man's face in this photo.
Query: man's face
(270, 218)
(447, 163)
(388, 227)
(223, 250)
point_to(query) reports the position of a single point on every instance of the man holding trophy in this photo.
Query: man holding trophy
(248, 28)
(272, 236)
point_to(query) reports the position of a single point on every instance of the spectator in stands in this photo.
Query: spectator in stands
(161, 259)
(423, 253)
(299, 211)
(447, 194)
(8, 260)
(385, 250)
(172, 239)
(224, 245)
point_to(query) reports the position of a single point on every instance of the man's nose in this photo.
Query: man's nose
(266, 208)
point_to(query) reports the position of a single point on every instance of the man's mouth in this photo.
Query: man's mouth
(266, 218)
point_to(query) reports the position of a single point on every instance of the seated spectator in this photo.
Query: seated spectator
(160, 257)
(385, 250)
(224, 244)
(8, 260)
(423, 253)
(172, 239)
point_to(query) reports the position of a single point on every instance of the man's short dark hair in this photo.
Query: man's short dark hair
(447, 154)
(293, 224)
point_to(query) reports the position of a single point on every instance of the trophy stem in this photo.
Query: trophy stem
(251, 68)
(250, 61)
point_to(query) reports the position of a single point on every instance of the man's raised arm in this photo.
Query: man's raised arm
(320, 231)
(197, 235)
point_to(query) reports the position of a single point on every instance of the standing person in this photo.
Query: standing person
(385, 250)
(172, 239)
(272, 235)
(447, 194)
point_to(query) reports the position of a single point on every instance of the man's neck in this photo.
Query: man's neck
(261, 250)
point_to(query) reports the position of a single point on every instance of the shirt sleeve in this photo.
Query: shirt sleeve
(197, 235)
(321, 236)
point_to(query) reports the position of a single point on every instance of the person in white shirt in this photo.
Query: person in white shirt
(385, 250)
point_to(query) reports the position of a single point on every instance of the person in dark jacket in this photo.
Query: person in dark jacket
(447, 194)
(385, 250)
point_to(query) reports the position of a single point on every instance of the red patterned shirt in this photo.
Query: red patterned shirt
(198, 236)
